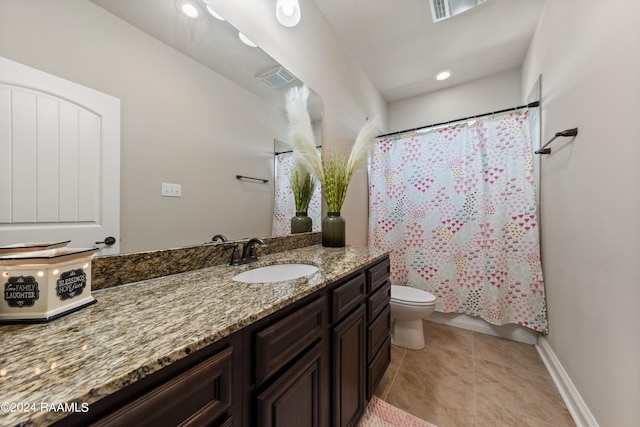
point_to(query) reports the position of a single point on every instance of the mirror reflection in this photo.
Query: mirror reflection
(213, 42)
(197, 108)
(196, 30)
(236, 209)
(287, 219)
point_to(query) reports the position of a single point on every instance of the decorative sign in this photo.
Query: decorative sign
(20, 291)
(71, 283)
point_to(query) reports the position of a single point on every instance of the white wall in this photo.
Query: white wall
(181, 122)
(313, 52)
(589, 56)
(493, 93)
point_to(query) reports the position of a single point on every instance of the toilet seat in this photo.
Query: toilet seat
(406, 295)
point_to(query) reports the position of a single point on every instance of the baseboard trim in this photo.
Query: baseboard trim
(477, 324)
(576, 405)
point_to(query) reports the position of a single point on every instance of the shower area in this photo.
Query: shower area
(284, 207)
(456, 204)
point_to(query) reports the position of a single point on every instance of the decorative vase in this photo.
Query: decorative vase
(333, 230)
(301, 223)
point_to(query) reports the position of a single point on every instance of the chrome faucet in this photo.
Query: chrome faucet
(219, 237)
(249, 250)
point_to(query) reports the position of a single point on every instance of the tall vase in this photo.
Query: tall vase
(333, 230)
(301, 223)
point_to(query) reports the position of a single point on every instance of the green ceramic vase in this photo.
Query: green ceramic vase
(333, 230)
(301, 223)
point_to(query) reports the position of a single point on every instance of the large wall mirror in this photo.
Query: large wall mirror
(198, 108)
(212, 41)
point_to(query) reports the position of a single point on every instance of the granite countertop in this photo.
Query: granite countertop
(137, 329)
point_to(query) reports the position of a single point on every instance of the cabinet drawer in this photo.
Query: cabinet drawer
(200, 396)
(377, 275)
(377, 332)
(281, 342)
(347, 297)
(378, 301)
(378, 367)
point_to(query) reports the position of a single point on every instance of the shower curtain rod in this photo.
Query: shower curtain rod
(530, 105)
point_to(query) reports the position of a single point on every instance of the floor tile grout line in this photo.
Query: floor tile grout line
(502, 363)
(395, 375)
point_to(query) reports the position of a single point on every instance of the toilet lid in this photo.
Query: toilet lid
(413, 296)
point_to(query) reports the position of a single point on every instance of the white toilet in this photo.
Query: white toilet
(408, 307)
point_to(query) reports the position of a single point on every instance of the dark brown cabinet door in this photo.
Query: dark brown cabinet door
(298, 397)
(379, 327)
(349, 362)
(201, 396)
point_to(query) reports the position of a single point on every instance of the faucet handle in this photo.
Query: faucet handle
(235, 255)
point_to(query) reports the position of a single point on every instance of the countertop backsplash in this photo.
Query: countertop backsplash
(121, 269)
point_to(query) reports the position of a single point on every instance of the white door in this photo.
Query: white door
(59, 160)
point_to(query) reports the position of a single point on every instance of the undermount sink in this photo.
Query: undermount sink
(275, 273)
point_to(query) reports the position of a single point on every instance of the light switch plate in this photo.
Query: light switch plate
(171, 190)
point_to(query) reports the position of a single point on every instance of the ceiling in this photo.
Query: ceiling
(397, 42)
(401, 48)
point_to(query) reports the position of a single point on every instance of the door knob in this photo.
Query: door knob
(108, 241)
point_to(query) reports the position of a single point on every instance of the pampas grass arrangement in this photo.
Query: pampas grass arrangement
(334, 170)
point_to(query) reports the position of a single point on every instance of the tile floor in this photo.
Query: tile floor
(467, 379)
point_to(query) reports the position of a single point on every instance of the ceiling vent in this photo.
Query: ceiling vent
(276, 77)
(443, 9)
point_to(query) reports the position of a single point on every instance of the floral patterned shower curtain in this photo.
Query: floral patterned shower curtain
(285, 207)
(457, 206)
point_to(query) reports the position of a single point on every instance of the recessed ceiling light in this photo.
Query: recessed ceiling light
(246, 40)
(189, 9)
(214, 13)
(443, 75)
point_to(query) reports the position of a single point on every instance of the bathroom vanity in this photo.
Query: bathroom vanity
(198, 348)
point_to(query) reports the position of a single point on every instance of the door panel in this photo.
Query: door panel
(5, 155)
(68, 158)
(59, 160)
(47, 179)
(23, 151)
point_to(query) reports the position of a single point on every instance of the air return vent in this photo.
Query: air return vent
(276, 77)
(443, 9)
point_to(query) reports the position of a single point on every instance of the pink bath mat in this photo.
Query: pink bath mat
(380, 414)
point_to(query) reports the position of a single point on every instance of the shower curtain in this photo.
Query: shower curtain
(284, 206)
(457, 208)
